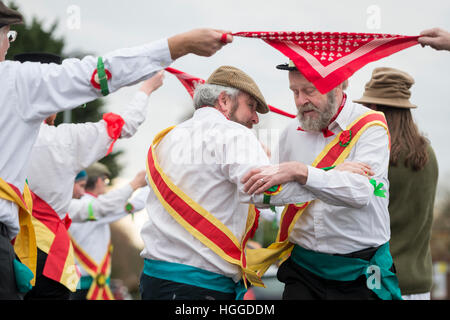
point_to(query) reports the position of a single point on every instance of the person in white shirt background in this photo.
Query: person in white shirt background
(346, 219)
(32, 92)
(59, 153)
(101, 208)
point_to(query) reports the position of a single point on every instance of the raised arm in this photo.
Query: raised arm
(45, 89)
(108, 207)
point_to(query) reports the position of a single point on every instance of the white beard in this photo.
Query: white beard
(317, 125)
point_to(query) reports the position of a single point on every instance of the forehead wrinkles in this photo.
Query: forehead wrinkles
(298, 82)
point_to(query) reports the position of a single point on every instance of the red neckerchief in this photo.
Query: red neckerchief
(326, 132)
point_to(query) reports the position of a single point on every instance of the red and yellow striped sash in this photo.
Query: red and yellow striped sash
(52, 238)
(25, 241)
(99, 289)
(196, 220)
(333, 154)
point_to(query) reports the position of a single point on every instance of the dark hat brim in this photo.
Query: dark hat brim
(38, 57)
(9, 16)
(285, 66)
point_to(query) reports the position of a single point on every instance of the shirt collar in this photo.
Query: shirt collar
(342, 120)
(208, 111)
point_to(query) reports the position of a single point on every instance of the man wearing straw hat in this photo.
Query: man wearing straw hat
(413, 174)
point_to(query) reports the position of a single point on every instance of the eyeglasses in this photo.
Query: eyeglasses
(107, 181)
(12, 36)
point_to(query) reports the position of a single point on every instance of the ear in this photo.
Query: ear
(223, 102)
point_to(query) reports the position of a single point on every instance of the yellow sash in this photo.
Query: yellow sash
(25, 241)
(197, 221)
(99, 289)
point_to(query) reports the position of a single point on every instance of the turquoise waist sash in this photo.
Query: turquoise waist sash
(379, 278)
(193, 276)
(86, 282)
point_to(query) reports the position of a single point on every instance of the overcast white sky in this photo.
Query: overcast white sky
(108, 25)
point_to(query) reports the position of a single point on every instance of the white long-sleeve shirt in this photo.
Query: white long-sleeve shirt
(206, 157)
(347, 216)
(108, 206)
(94, 236)
(30, 92)
(61, 152)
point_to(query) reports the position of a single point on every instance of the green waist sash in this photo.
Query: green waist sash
(379, 278)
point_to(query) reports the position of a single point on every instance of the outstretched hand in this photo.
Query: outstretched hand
(202, 42)
(436, 38)
(139, 180)
(152, 84)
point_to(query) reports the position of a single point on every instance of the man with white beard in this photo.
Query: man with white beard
(340, 240)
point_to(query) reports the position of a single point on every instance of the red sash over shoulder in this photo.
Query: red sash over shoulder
(203, 225)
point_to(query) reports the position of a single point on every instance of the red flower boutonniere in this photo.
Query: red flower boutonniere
(345, 137)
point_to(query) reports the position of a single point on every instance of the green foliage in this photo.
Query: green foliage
(32, 37)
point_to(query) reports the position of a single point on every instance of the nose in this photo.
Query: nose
(301, 99)
(255, 118)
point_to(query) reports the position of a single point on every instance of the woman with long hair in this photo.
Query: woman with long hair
(413, 174)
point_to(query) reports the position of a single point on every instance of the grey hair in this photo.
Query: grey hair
(207, 94)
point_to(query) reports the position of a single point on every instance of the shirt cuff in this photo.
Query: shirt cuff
(140, 96)
(160, 49)
(315, 178)
(127, 190)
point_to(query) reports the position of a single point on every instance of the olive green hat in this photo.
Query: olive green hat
(97, 170)
(388, 87)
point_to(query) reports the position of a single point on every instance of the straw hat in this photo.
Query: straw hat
(228, 76)
(388, 87)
